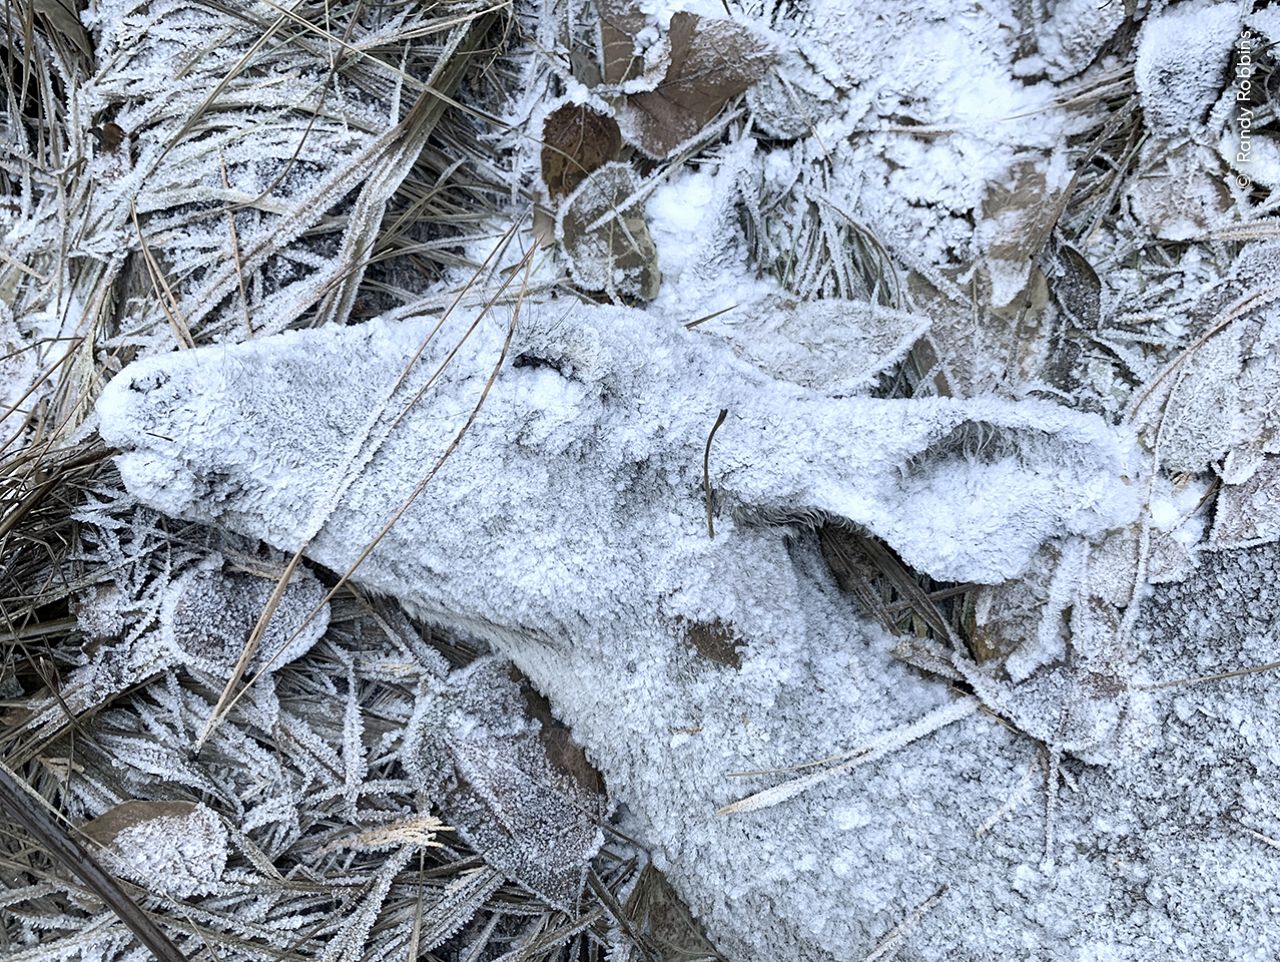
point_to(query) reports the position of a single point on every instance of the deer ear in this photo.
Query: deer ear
(961, 490)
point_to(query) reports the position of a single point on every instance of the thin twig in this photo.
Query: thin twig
(889, 946)
(1220, 676)
(706, 470)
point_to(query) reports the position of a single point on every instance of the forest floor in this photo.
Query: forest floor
(236, 724)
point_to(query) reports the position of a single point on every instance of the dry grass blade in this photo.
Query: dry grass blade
(1219, 676)
(542, 944)
(889, 946)
(181, 330)
(235, 252)
(394, 166)
(871, 751)
(864, 567)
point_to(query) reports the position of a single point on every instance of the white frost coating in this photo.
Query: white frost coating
(209, 616)
(856, 85)
(833, 346)
(471, 744)
(1183, 56)
(179, 850)
(1074, 35)
(249, 436)
(569, 529)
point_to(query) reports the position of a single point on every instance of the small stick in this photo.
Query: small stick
(888, 946)
(706, 469)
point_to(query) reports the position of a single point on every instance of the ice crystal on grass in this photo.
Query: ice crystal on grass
(241, 184)
(303, 781)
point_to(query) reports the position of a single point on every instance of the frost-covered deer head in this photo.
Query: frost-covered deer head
(622, 507)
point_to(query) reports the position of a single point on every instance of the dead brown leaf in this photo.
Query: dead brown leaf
(712, 62)
(716, 641)
(607, 242)
(126, 815)
(1018, 216)
(620, 22)
(575, 141)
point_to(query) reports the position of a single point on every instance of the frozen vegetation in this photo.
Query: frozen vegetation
(640, 480)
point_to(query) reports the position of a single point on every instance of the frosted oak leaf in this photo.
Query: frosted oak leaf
(179, 848)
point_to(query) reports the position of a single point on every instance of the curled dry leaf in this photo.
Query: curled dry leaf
(576, 139)
(1200, 423)
(712, 61)
(521, 794)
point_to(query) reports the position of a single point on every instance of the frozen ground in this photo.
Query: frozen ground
(584, 367)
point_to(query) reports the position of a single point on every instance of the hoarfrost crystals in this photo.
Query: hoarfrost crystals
(569, 530)
(180, 849)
